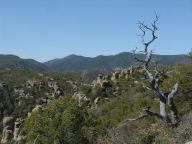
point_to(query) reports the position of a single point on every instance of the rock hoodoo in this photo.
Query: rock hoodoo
(8, 129)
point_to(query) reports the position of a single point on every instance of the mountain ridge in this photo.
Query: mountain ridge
(77, 62)
(121, 60)
(13, 61)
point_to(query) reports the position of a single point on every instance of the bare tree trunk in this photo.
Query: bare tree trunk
(165, 101)
(163, 109)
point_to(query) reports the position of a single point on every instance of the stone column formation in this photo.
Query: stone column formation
(8, 129)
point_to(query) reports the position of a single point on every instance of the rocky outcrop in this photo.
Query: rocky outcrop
(73, 84)
(98, 100)
(31, 83)
(115, 76)
(102, 81)
(124, 73)
(8, 129)
(12, 130)
(95, 110)
(57, 91)
(189, 142)
(3, 85)
(81, 98)
(18, 91)
(98, 81)
(37, 108)
(17, 137)
(33, 94)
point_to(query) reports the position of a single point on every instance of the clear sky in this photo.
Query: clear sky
(47, 29)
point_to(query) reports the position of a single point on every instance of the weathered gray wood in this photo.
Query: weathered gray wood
(166, 101)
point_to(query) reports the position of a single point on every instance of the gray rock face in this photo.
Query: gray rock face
(81, 98)
(17, 127)
(8, 121)
(17, 135)
(189, 142)
(7, 135)
(57, 91)
(37, 108)
(115, 76)
(3, 85)
(124, 73)
(102, 82)
(8, 128)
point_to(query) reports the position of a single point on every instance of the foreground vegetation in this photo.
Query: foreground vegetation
(65, 121)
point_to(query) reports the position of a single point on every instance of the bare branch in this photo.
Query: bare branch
(144, 28)
(173, 92)
(137, 118)
(146, 113)
(170, 102)
(154, 75)
(136, 58)
(151, 113)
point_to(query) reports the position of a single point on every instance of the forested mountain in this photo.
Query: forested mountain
(122, 60)
(12, 61)
(79, 63)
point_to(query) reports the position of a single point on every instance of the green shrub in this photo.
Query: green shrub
(60, 122)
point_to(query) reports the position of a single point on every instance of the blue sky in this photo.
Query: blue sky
(47, 29)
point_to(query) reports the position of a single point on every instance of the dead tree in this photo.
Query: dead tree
(168, 111)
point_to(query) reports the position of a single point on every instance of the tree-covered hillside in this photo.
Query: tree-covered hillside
(81, 63)
(12, 61)
(95, 112)
(122, 60)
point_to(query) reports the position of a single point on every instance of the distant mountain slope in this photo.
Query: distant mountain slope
(122, 60)
(78, 63)
(12, 61)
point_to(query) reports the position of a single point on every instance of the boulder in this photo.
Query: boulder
(31, 83)
(28, 114)
(115, 76)
(189, 142)
(40, 74)
(37, 108)
(58, 92)
(100, 100)
(55, 86)
(17, 128)
(3, 85)
(96, 100)
(8, 128)
(125, 73)
(105, 84)
(102, 82)
(7, 135)
(8, 121)
(81, 98)
(99, 80)
(19, 91)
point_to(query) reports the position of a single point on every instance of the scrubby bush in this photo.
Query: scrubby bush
(63, 121)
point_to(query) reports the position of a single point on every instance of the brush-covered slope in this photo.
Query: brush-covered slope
(64, 121)
(102, 118)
